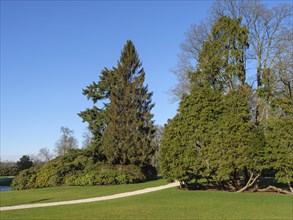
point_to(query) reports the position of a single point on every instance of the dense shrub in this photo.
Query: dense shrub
(103, 174)
(26, 179)
(78, 169)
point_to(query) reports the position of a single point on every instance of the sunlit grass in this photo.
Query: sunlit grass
(54, 194)
(171, 204)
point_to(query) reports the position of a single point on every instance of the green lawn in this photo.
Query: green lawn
(69, 193)
(171, 204)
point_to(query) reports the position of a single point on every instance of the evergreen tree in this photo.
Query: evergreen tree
(95, 116)
(278, 131)
(123, 129)
(212, 135)
(128, 137)
(222, 58)
(186, 149)
(25, 162)
(240, 143)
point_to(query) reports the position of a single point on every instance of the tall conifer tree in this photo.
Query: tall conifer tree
(123, 128)
(128, 138)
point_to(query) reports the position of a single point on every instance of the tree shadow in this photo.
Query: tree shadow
(40, 200)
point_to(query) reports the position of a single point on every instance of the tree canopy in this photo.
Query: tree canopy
(214, 135)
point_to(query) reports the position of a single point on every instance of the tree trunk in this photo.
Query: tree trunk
(289, 184)
(249, 183)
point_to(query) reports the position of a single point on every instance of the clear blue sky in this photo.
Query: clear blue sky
(51, 50)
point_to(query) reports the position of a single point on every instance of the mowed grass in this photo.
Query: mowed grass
(55, 194)
(171, 204)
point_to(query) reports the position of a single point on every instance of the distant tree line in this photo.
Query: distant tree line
(9, 168)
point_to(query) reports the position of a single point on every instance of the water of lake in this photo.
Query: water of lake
(4, 188)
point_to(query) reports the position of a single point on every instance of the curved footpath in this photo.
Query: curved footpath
(95, 199)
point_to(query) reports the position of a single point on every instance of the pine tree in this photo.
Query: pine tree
(186, 149)
(278, 131)
(123, 129)
(239, 142)
(96, 116)
(128, 137)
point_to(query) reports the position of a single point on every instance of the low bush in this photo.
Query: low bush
(26, 179)
(77, 169)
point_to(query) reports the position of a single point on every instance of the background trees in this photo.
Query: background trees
(24, 162)
(45, 155)
(8, 168)
(66, 142)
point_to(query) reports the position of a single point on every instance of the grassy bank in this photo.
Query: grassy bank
(171, 204)
(55, 194)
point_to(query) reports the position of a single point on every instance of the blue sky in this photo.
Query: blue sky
(51, 50)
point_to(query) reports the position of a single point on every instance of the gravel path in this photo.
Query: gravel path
(102, 198)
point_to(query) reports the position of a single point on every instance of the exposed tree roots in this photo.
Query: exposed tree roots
(275, 189)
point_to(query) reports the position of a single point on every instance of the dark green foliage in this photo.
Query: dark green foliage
(78, 169)
(240, 143)
(188, 136)
(25, 162)
(123, 130)
(279, 138)
(157, 143)
(128, 137)
(104, 174)
(212, 135)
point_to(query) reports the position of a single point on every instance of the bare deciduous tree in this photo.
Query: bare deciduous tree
(66, 142)
(45, 155)
(188, 58)
(87, 138)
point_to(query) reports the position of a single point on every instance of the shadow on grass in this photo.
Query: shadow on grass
(40, 200)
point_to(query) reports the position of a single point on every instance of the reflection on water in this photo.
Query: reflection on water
(4, 188)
